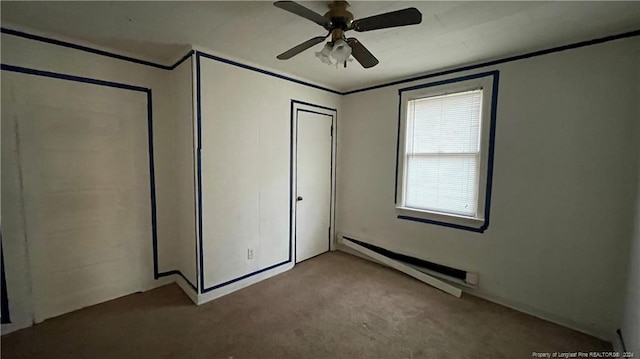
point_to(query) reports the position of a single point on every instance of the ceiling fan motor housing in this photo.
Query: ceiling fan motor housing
(340, 19)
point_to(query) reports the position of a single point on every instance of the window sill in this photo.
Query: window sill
(443, 219)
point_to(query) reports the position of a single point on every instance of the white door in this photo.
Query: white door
(313, 163)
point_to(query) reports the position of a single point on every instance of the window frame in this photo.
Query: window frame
(488, 82)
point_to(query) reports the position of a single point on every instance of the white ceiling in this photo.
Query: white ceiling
(451, 33)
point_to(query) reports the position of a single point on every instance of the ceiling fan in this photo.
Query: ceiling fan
(337, 21)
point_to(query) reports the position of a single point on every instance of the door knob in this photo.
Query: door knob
(299, 198)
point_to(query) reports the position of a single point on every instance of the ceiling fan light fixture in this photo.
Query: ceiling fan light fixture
(324, 54)
(341, 51)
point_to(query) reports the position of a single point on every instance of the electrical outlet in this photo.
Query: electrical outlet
(250, 253)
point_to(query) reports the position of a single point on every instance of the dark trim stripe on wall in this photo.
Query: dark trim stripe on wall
(92, 50)
(491, 148)
(199, 169)
(293, 102)
(159, 66)
(184, 58)
(265, 72)
(502, 60)
(194, 157)
(576, 45)
(87, 80)
(152, 187)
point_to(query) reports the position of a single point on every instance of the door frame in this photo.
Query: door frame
(297, 107)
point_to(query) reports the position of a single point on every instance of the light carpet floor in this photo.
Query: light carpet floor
(332, 306)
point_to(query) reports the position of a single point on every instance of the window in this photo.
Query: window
(444, 152)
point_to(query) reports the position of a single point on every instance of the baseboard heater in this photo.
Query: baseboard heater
(439, 268)
(410, 265)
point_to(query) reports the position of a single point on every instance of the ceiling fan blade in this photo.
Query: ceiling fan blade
(410, 16)
(300, 10)
(364, 57)
(299, 48)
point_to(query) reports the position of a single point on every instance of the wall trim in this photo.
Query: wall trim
(503, 60)
(154, 229)
(490, 155)
(551, 50)
(95, 51)
(224, 284)
(199, 172)
(30, 71)
(312, 105)
(265, 72)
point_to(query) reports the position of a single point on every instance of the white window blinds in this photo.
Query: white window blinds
(442, 163)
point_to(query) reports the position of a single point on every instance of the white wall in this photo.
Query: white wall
(37, 55)
(245, 171)
(565, 163)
